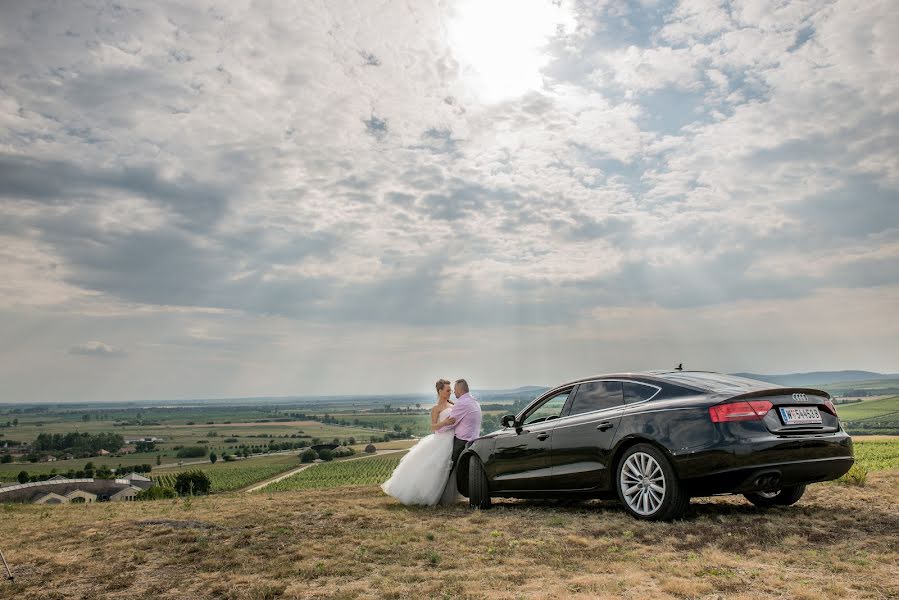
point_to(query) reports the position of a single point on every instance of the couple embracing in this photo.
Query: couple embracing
(427, 474)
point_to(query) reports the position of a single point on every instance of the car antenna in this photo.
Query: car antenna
(8, 572)
(680, 367)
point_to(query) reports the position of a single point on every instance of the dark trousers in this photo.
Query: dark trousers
(458, 446)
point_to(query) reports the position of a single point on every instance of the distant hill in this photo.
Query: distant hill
(819, 377)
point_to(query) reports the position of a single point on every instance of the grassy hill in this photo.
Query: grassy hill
(353, 542)
(818, 378)
(871, 416)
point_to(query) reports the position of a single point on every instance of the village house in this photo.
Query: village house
(62, 490)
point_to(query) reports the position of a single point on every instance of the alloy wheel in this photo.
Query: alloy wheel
(642, 483)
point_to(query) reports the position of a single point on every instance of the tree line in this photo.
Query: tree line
(79, 444)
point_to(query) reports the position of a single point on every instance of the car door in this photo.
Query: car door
(582, 440)
(522, 455)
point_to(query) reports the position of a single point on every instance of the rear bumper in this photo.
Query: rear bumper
(766, 463)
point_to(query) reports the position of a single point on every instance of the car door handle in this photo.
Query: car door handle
(604, 425)
(542, 436)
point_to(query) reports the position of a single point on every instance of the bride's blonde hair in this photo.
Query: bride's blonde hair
(440, 383)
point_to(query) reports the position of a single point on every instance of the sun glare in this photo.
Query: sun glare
(501, 45)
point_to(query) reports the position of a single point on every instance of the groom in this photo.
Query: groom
(464, 419)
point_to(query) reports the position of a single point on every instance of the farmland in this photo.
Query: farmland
(418, 423)
(230, 476)
(877, 454)
(871, 416)
(366, 471)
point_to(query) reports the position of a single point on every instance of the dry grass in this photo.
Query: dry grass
(839, 542)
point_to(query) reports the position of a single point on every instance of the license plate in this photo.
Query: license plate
(800, 415)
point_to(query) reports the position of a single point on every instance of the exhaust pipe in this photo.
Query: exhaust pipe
(768, 481)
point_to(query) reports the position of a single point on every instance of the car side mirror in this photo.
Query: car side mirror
(508, 421)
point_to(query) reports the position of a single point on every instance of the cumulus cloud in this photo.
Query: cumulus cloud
(346, 167)
(97, 349)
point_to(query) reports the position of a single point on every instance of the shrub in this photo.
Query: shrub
(228, 458)
(22, 477)
(213, 457)
(6, 458)
(344, 451)
(308, 455)
(191, 452)
(370, 449)
(857, 475)
(157, 492)
(326, 454)
(192, 483)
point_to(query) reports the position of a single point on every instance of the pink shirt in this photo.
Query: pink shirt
(467, 413)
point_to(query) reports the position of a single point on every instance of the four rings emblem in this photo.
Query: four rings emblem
(800, 397)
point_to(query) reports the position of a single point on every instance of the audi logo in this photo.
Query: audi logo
(800, 398)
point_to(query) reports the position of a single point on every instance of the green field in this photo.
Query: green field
(877, 387)
(230, 476)
(418, 423)
(871, 416)
(877, 454)
(367, 471)
(9, 471)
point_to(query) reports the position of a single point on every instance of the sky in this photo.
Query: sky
(232, 199)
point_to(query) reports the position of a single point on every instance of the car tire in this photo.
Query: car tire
(478, 486)
(782, 497)
(647, 485)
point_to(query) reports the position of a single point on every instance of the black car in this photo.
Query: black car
(655, 439)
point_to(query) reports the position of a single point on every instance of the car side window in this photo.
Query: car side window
(596, 395)
(551, 408)
(637, 392)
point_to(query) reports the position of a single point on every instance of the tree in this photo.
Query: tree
(193, 483)
(15, 422)
(370, 449)
(326, 454)
(23, 477)
(158, 459)
(89, 466)
(213, 457)
(308, 455)
(352, 440)
(6, 458)
(156, 493)
(85, 417)
(191, 452)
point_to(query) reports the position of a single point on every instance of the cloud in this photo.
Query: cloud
(97, 349)
(340, 167)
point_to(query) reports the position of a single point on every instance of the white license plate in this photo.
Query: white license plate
(800, 415)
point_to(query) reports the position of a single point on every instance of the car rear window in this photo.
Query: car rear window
(718, 382)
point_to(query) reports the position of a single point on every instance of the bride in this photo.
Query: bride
(423, 475)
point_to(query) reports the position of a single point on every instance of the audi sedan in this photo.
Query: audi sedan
(652, 440)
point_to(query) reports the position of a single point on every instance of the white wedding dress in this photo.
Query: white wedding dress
(423, 475)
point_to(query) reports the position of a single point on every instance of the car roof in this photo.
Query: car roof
(707, 381)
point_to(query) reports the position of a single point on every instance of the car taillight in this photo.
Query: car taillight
(829, 407)
(740, 411)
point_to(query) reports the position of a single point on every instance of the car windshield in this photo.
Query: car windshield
(718, 382)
